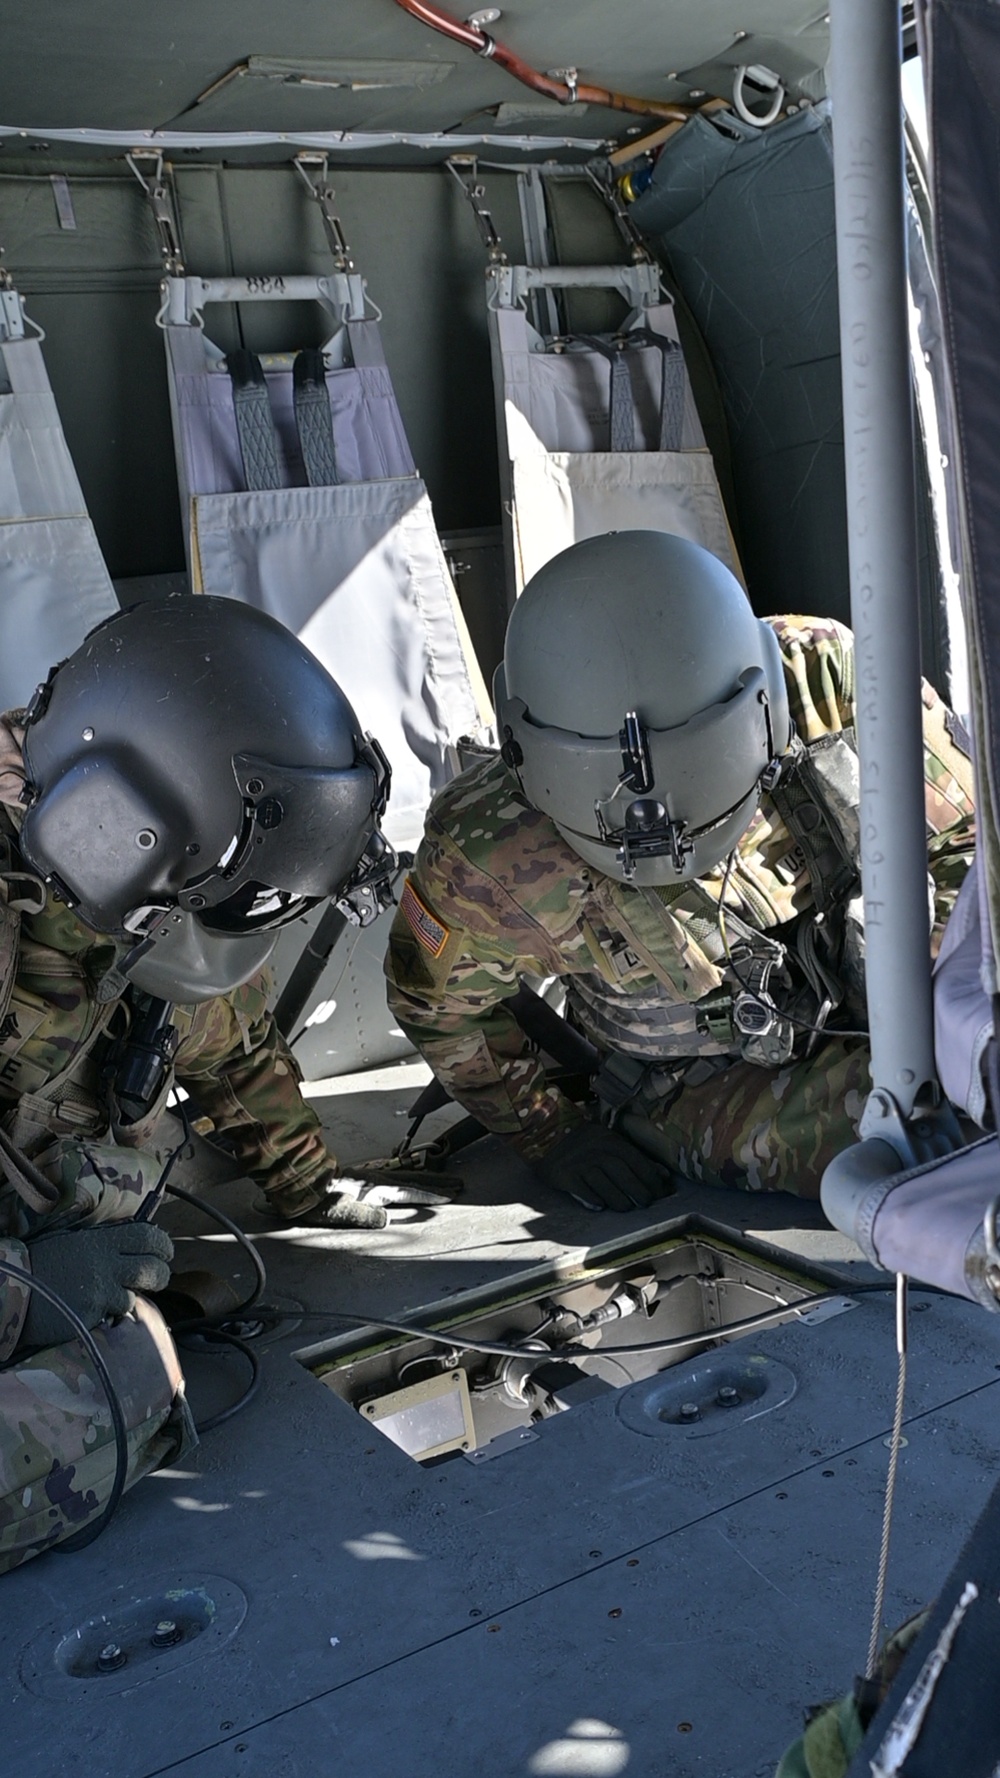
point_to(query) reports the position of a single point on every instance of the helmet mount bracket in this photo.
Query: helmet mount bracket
(637, 766)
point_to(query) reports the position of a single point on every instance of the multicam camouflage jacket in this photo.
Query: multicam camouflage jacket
(496, 893)
(230, 1058)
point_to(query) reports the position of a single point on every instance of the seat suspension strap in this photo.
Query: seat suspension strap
(313, 419)
(254, 421)
(622, 404)
(672, 385)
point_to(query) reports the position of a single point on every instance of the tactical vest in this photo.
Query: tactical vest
(74, 1102)
(749, 994)
(20, 893)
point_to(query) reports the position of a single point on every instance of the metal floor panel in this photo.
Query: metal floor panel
(330, 1531)
(689, 1658)
(754, 1548)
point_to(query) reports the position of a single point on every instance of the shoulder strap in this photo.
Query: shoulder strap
(20, 893)
(817, 796)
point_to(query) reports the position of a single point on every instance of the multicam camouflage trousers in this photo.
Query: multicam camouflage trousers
(57, 1448)
(762, 1129)
(835, 1731)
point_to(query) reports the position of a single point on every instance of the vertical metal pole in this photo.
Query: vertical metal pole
(878, 445)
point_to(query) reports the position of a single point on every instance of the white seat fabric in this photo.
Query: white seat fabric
(562, 480)
(54, 585)
(355, 569)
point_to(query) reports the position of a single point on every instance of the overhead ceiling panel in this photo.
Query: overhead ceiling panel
(129, 64)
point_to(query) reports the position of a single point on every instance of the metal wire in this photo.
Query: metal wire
(890, 1480)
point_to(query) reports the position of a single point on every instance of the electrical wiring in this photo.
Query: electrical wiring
(150, 1204)
(225, 1338)
(491, 1349)
(248, 1246)
(82, 1538)
(800, 1024)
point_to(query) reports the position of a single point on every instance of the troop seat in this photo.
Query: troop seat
(54, 585)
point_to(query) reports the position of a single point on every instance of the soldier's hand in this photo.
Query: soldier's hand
(603, 1170)
(95, 1271)
(365, 1203)
(337, 1203)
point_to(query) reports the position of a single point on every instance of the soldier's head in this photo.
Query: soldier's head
(195, 780)
(641, 703)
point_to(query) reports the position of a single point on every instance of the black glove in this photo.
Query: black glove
(95, 1271)
(603, 1170)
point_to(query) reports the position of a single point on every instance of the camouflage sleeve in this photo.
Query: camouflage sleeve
(241, 1073)
(950, 803)
(835, 1731)
(817, 654)
(447, 984)
(818, 657)
(14, 1297)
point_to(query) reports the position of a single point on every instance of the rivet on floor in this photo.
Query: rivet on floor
(684, 1728)
(633, 1562)
(615, 1611)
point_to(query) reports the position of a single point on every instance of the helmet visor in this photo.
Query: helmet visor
(256, 907)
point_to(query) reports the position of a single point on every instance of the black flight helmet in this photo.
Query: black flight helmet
(194, 781)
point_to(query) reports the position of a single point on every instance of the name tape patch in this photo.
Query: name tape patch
(432, 934)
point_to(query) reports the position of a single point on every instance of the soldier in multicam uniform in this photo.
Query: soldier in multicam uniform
(671, 828)
(186, 783)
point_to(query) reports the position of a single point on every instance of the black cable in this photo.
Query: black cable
(150, 1205)
(493, 1350)
(248, 1246)
(752, 994)
(93, 1351)
(215, 1327)
(224, 1337)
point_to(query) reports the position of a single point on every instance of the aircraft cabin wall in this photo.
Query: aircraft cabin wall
(80, 243)
(94, 288)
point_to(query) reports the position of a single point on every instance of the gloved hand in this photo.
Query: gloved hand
(350, 1203)
(95, 1271)
(603, 1170)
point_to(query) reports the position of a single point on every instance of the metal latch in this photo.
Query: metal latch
(319, 188)
(161, 202)
(464, 170)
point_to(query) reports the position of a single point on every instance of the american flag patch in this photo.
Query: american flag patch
(432, 935)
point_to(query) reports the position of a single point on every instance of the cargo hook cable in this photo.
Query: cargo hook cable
(568, 90)
(896, 1439)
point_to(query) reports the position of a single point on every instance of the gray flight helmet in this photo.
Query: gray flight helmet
(641, 704)
(194, 780)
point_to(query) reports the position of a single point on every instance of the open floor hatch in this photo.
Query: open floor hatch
(615, 1319)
